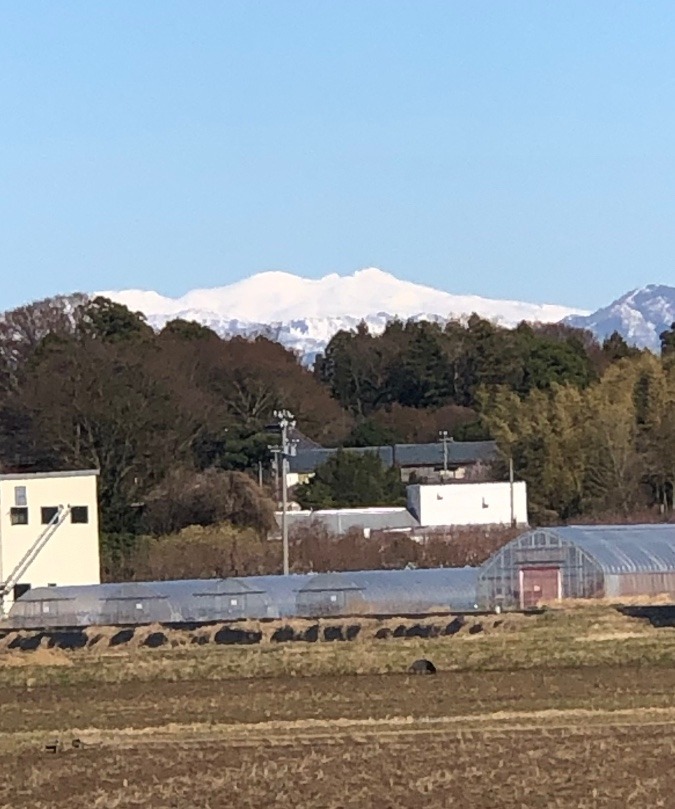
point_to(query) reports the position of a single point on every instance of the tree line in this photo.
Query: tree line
(178, 420)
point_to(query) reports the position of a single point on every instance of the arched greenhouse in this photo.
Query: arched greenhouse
(587, 561)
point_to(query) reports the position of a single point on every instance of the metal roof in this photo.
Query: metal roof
(624, 548)
(301, 441)
(339, 521)
(459, 453)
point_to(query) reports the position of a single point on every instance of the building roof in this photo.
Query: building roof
(339, 521)
(76, 473)
(460, 453)
(302, 442)
(625, 548)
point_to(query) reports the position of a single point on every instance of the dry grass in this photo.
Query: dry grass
(658, 599)
(555, 639)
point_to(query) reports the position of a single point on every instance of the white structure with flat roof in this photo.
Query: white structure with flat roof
(48, 531)
(469, 504)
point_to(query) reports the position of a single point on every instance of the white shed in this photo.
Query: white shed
(468, 504)
(48, 531)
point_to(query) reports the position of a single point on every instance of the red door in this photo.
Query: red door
(539, 584)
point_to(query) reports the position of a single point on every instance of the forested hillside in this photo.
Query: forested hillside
(178, 420)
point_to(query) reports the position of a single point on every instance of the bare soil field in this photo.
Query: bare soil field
(162, 729)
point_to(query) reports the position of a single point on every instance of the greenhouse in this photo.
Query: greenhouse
(387, 592)
(189, 600)
(232, 599)
(82, 605)
(587, 561)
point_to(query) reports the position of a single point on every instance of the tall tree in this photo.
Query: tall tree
(350, 479)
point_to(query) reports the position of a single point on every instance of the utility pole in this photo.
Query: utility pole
(286, 422)
(443, 435)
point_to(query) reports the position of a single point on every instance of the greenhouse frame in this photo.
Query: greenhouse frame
(580, 562)
(255, 597)
(387, 592)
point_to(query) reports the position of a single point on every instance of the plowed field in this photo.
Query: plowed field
(163, 729)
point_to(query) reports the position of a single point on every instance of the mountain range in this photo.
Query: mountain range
(639, 316)
(303, 313)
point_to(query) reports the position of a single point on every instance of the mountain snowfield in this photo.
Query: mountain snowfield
(640, 316)
(304, 313)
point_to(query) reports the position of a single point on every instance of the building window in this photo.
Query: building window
(18, 516)
(20, 497)
(48, 513)
(79, 514)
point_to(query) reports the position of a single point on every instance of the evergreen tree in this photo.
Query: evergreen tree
(352, 479)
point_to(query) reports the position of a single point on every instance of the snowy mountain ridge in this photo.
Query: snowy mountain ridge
(639, 316)
(303, 313)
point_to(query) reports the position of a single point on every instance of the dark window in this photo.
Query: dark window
(18, 516)
(79, 514)
(20, 589)
(48, 514)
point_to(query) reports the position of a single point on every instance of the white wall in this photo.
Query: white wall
(468, 503)
(71, 556)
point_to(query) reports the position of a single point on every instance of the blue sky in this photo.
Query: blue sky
(503, 148)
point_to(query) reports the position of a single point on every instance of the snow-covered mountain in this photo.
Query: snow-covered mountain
(304, 313)
(639, 316)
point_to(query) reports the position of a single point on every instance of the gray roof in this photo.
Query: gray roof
(339, 521)
(625, 548)
(459, 454)
(302, 442)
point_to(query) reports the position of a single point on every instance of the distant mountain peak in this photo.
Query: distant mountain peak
(304, 313)
(639, 316)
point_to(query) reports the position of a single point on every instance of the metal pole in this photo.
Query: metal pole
(513, 515)
(286, 421)
(444, 437)
(284, 522)
(260, 476)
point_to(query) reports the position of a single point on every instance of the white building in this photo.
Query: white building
(48, 531)
(468, 504)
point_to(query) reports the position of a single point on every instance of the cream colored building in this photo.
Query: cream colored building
(48, 531)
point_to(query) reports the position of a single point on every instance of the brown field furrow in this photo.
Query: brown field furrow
(522, 719)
